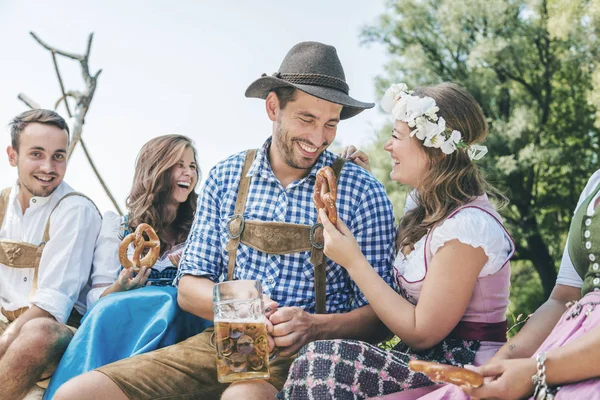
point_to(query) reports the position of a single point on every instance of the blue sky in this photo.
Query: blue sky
(174, 67)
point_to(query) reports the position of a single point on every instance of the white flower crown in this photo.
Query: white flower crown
(420, 113)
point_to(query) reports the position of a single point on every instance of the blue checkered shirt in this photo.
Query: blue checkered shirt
(289, 279)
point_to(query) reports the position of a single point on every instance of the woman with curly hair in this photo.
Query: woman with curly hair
(127, 322)
(452, 267)
(162, 195)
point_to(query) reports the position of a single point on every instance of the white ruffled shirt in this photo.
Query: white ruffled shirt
(470, 226)
(66, 261)
(567, 275)
(106, 264)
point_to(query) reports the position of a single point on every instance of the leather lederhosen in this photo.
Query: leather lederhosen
(277, 237)
(17, 254)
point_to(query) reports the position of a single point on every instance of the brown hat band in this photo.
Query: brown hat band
(314, 80)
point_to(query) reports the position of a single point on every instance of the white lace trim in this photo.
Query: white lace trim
(470, 226)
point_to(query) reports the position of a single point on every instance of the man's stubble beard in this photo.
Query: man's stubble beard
(38, 193)
(286, 150)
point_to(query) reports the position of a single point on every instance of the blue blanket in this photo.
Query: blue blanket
(124, 324)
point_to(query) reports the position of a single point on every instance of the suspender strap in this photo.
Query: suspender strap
(269, 237)
(337, 166)
(25, 255)
(236, 224)
(46, 238)
(3, 203)
(316, 256)
(320, 283)
(14, 253)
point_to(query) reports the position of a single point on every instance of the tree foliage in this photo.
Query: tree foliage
(531, 65)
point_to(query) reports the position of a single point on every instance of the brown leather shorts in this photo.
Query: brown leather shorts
(187, 370)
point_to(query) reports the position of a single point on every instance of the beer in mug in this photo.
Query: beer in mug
(240, 331)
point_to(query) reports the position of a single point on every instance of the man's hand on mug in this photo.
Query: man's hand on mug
(358, 157)
(270, 308)
(292, 329)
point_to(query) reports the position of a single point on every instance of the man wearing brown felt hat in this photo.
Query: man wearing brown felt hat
(256, 220)
(315, 69)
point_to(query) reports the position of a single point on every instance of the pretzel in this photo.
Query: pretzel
(447, 373)
(140, 244)
(325, 193)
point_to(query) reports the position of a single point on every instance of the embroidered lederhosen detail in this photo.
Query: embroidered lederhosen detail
(277, 237)
(17, 254)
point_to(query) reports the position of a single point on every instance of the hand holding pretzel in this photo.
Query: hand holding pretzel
(325, 193)
(447, 373)
(140, 244)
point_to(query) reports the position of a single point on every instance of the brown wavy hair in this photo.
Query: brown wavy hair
(40, 116)
(152, 185)
(453, 180)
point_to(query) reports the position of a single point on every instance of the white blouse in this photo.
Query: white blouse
(567, 275)
(66, 261)
(470, 226)
(106, 264)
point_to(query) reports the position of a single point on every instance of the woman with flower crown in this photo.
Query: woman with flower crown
(452, 267)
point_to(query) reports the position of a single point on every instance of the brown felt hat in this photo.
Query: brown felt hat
(315, 69)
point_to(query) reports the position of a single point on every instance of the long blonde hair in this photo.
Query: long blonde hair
(152, 186)
(453, 180)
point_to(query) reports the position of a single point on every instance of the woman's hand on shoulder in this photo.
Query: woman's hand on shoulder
(358, 157)
(340, 244)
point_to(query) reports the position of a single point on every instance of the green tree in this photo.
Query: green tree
(530, 64)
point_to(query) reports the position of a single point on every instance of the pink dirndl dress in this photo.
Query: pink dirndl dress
(573, 324)
(350, 369)
(579, 319)
(486, 309)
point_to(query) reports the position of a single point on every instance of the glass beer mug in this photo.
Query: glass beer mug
(240, 331)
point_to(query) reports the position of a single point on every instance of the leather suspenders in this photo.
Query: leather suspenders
(17, 254)
(277, 237)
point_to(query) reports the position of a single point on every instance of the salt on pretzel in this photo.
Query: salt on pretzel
(447, 373)
(325, 193)
(140, 244)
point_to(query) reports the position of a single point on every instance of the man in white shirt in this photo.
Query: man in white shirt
(47, 237)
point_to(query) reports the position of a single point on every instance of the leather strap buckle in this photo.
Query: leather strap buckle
(236, 235)
(311, 236)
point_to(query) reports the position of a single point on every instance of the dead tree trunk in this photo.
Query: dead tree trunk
(82, 103)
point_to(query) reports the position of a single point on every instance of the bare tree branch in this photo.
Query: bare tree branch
(89, 45)
(112, 199)
(64, 98)
(62, 86)
(30, 103)
(83, 101)
(52, 49)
